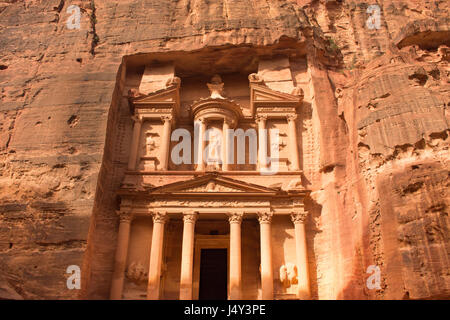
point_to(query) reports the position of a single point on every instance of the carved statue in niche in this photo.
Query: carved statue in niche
(214, 148)
(136, 272)
(150, 143)
(216, 87)
(288, 274)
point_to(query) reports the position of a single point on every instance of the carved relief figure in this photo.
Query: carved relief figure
(214, 147)
(150, 143)
(136, 272)
(288, 274)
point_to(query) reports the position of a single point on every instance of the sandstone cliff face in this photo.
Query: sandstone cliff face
(375, 153)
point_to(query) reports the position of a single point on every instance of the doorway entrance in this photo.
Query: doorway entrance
(211, 254)
(213, 274)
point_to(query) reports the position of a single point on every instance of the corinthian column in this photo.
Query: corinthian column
(225, 142)
(298, 218)
(187, 256)
(235, 220)
(201, 144)
(165, 142)
(293, 146)
(120, 259)
(262, 141)
(154, 273)
(265, 220)
(135, 143)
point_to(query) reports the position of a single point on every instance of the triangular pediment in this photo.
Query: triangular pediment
(161, 96)
(211, 183)
(264, 94)
(261, 95)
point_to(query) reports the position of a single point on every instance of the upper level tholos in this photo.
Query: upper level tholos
(242, 122)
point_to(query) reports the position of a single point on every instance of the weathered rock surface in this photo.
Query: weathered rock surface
(375, 146)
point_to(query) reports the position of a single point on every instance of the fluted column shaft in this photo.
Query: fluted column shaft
(187, 256)
(156, 253)
(120, 259)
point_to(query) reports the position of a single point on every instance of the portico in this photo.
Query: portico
(211, 197)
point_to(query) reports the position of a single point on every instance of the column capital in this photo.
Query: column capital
(265, 217)
(299, 216)
(137, 118)
(190, 217)
(261, 117)
(201, 120)
(292, 117)
(235, 217)
(160, 217)
(125, 214)
(228, 121)
(166, 118)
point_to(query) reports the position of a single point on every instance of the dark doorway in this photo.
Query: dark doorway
(213, 274)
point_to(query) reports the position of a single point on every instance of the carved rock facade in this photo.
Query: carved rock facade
(372, 133)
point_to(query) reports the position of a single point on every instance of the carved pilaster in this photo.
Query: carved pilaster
(135, 142)
(167, 120)
(293, 146)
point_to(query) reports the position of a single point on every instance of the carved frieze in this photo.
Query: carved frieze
(207, 204)
(136, 272)
(212, 187)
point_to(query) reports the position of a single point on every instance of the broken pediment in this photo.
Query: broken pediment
(168, 97)
(212, 183)
(263, 96)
